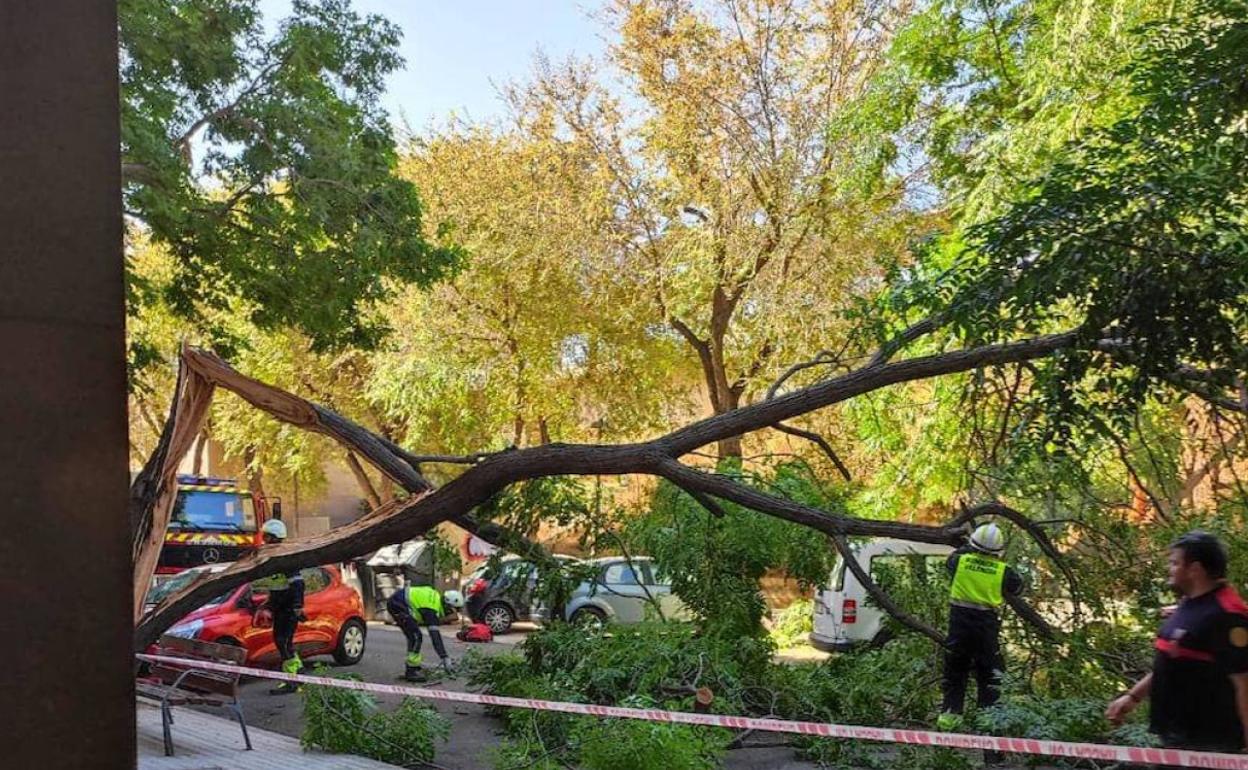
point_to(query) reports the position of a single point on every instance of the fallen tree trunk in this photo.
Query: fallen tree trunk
(490, 474)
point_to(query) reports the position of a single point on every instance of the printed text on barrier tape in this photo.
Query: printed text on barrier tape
(1175, 757)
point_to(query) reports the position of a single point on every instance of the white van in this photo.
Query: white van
(843, 617)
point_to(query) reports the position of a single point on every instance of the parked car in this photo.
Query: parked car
(499, 594)
(621, 591)
(843, 618)
(335, 624)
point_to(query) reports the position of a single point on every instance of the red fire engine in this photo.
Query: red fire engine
(213, 521)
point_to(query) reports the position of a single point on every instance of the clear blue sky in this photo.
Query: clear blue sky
(457, 49)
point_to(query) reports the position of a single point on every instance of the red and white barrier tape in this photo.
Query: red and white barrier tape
(1106, 753)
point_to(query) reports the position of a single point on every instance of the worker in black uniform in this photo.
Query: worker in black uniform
(285, 602)
(425, 603)
(981, 580)
(1198, 689)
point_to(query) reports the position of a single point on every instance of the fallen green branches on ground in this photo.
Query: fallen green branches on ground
(659, 665)
(348, 722)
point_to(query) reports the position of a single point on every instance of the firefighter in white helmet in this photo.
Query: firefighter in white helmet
(981, 580)
(285, 602)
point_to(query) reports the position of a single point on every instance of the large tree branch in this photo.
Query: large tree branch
(304, 414)
(403, 520)
(855, 383)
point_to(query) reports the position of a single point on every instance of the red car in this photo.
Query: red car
(335, 624)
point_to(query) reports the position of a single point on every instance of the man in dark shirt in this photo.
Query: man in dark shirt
(981, 581)
(1199, 686)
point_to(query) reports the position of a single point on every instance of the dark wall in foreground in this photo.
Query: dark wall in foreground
(66, 689)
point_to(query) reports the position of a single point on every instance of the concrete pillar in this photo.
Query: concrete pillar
(66, 676)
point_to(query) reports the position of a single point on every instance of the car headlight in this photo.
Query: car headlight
(187, 630)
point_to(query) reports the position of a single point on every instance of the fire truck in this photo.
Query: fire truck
(213, 521)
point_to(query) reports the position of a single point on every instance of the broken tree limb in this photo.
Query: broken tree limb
(302, 413)
(154, 490)
(398, 464)
(403, 520)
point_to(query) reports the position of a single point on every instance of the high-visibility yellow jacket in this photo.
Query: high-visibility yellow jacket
(980, 581)
(424, 597)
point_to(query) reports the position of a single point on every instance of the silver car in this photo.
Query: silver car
(623, 592)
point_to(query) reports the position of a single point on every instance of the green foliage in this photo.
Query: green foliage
(446, 557)
(647, 665)
(524, 506)
(625, 744)
(715, 564)
(1137, 234)
(992, 90)
(348, 722)
(1044, 719)
(267, 166)
(793, 624)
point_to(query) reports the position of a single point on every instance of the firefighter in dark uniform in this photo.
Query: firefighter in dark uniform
(425, 603)
(1198, 689)
(981, 580)
(285, 602)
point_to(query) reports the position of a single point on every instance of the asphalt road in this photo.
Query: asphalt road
(474, 736)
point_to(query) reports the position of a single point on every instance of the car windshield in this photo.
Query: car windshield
(200, 510)
(177, 583)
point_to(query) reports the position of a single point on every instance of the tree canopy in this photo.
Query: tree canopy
(261, 158)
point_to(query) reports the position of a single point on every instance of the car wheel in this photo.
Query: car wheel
(498, 617)
(590, 618)
(350, 647)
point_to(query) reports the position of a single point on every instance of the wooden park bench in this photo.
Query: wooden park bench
(178, 685)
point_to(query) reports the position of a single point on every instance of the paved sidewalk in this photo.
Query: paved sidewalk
(205, 742)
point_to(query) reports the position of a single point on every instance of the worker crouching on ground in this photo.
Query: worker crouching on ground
(981, 580)
(426, 604)
(1199, 685)
(285, 602)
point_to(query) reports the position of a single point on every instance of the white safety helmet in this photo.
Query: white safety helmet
(274, 527)
(453, 599)
(988, 538)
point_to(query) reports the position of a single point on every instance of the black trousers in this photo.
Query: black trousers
(401, 612)
(974, 646)
(284, 624)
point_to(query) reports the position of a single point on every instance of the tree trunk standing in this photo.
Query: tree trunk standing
(724, 395)
(723, 398)
(255, 474)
